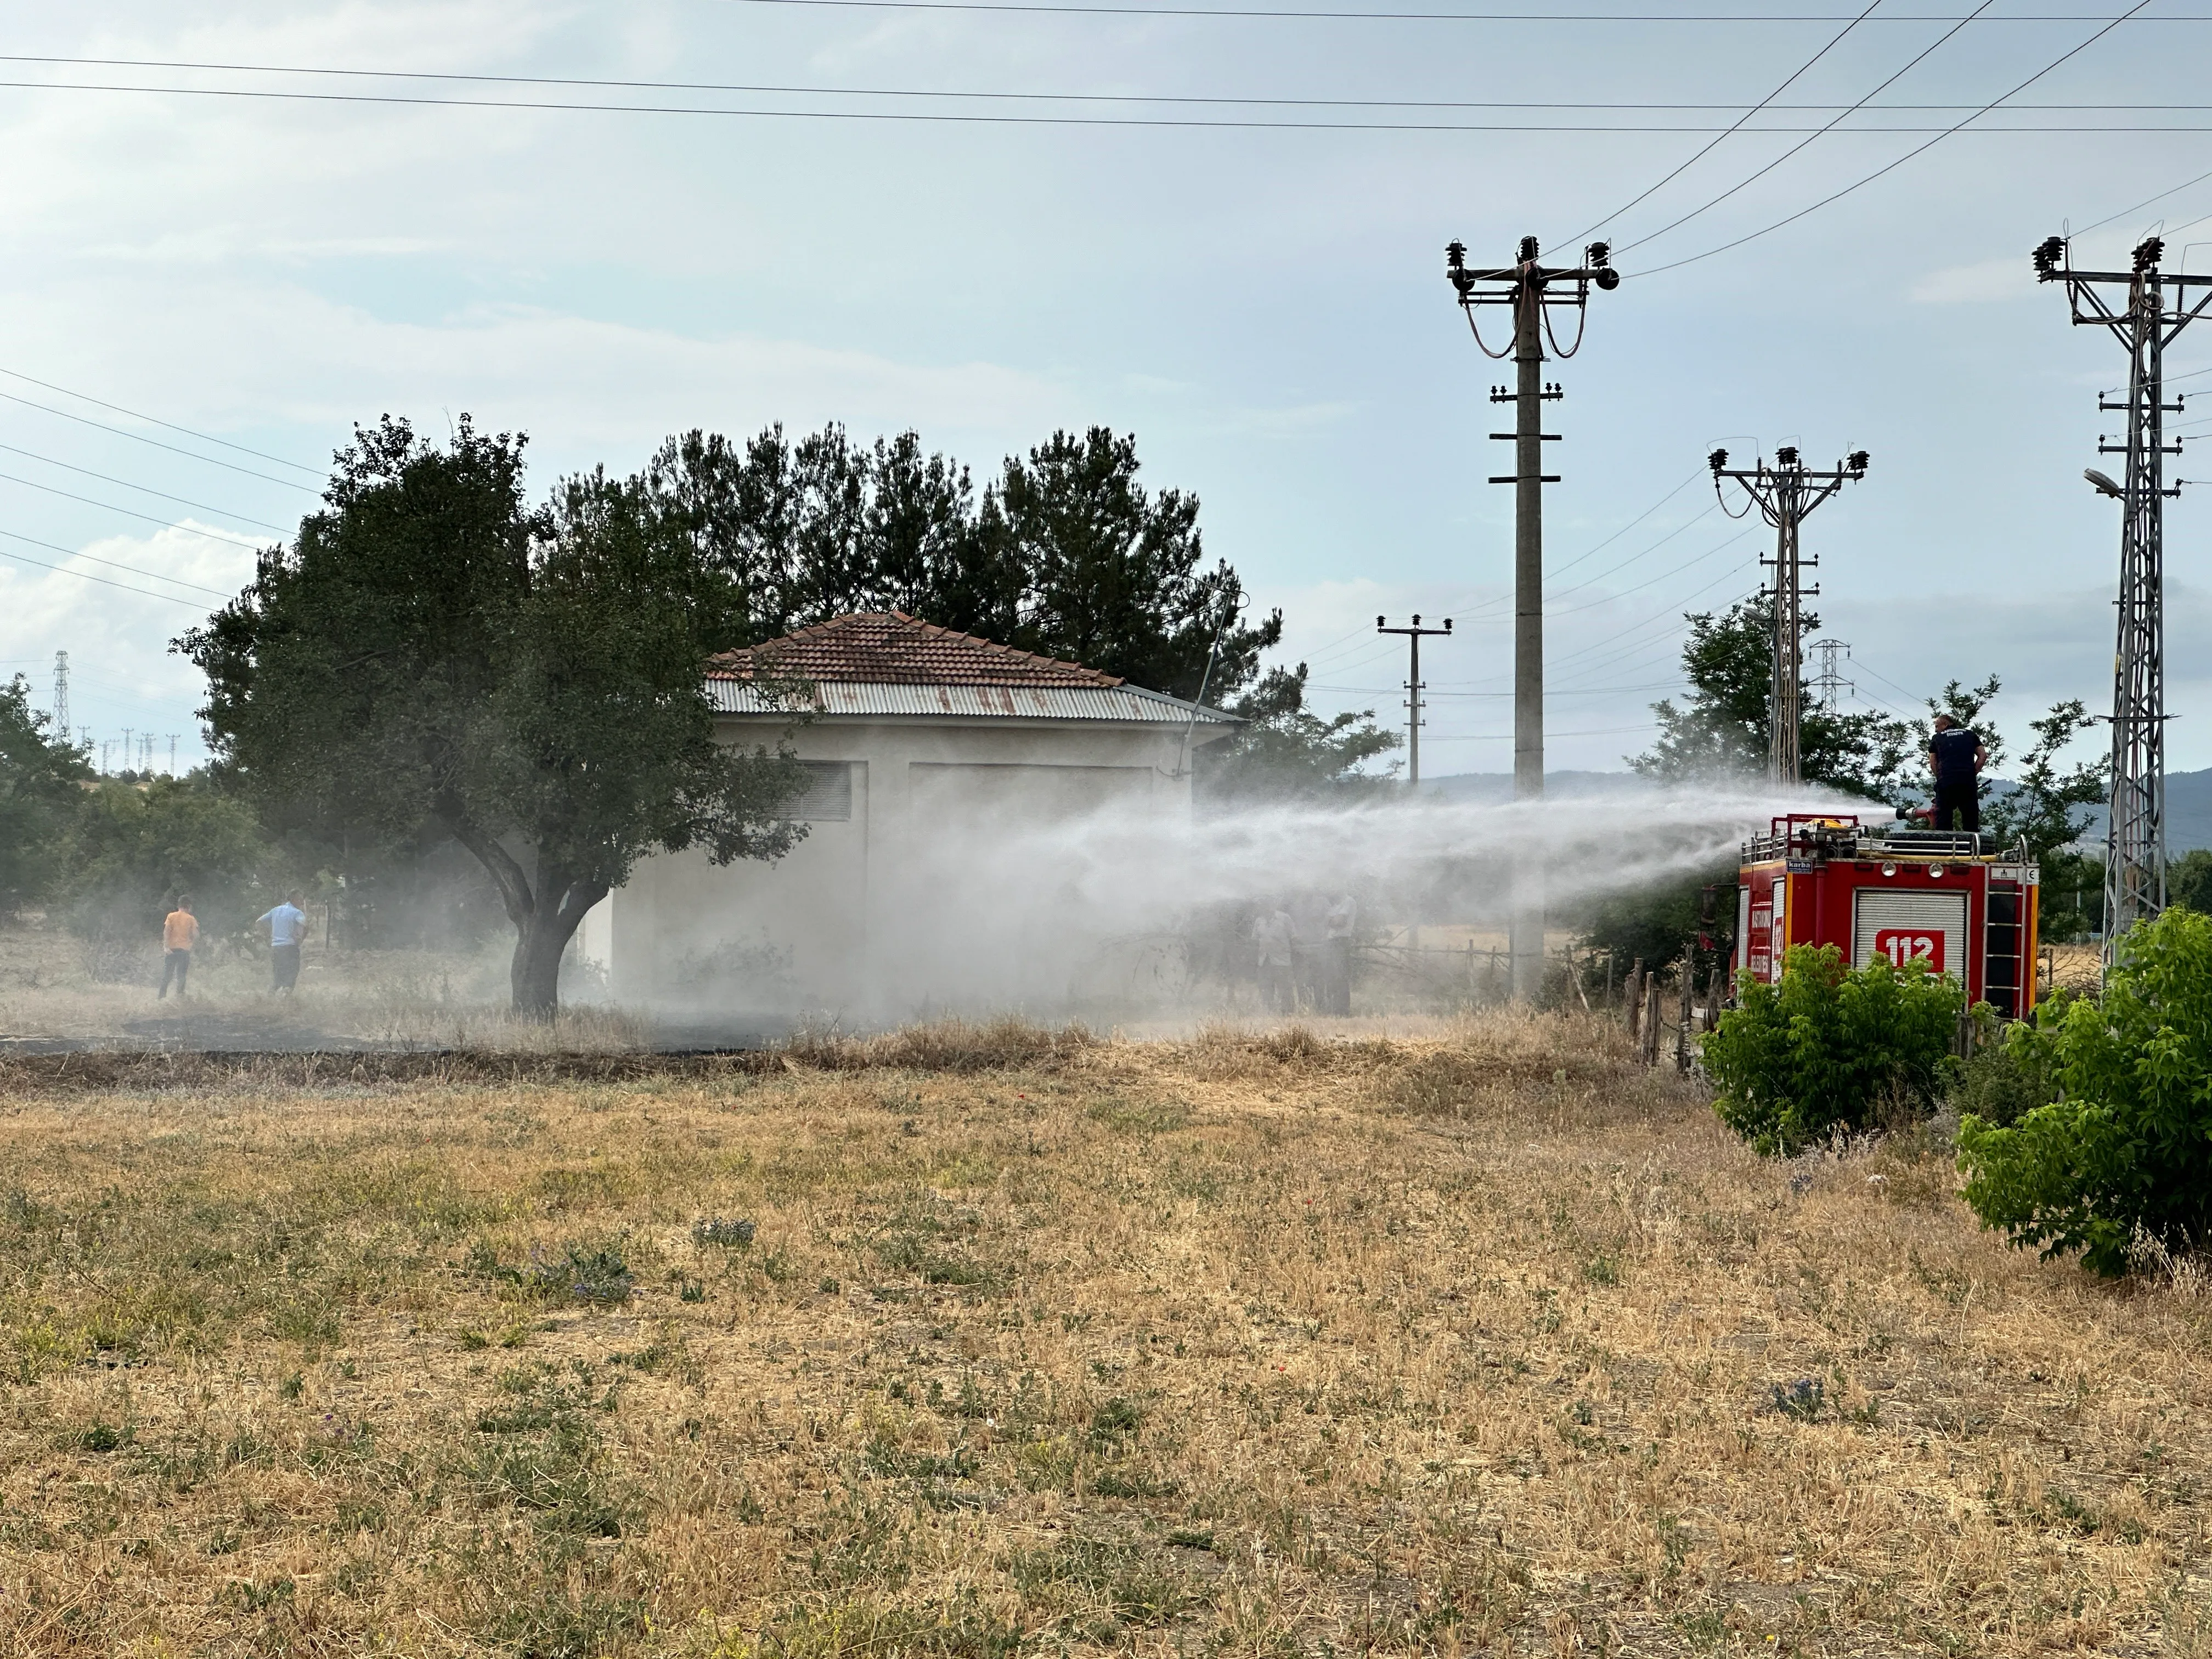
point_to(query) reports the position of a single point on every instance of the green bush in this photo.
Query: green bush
(1829, 1047)
(2129, 1149)
(132, 847)
(2014, 1071)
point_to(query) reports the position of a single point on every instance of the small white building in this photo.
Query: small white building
(951, 777)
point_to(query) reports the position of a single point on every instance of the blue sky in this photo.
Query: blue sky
(1265, 308)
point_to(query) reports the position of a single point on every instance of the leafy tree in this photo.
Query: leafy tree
(1828, 1047)
(2045, 806)
(1720, 727)
(1285, 751)
(2189, 881)
(2072, 902)
(2011, 1072)
(1654, 922)
(132, 847)
(39, 781)
(1065, 554)
(1113, 577)
(433, 653)
(2129, 1149)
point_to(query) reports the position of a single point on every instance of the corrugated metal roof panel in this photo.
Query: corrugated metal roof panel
(1126, 704)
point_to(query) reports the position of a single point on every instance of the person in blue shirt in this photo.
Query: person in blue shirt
(288, 927)
(1956, 756)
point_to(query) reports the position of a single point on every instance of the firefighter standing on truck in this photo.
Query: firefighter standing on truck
(1956, 755)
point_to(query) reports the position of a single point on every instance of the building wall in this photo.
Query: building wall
(919, 899)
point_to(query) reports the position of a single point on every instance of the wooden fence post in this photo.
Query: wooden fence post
(1632, 994)
(1650, 1036)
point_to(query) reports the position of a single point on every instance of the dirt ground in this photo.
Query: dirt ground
(981, 1343)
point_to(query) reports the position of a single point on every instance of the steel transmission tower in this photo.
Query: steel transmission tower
(1533, 290)
(2145, 321)
(1783, 494)
(1414, 635)
(61, 697)
(1827, 681)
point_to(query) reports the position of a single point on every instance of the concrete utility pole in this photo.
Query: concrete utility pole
(1413, 689)
(1529, 289)
(1828, 682)
(1784, 493)
(2142, 319)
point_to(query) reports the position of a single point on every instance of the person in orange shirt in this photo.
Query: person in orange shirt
(180, 931)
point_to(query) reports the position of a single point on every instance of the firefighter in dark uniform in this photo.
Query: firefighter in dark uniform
(1956, 756)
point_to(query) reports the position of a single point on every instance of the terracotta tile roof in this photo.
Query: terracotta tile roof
(890, 648)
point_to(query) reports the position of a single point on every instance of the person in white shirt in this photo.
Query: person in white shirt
(288, 928)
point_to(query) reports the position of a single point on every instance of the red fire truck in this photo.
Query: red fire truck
(1949, 898)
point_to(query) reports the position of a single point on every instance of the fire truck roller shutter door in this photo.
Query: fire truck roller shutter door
(1743, 925)
(1899, 926)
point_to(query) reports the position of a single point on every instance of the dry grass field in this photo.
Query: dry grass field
(974, 1343)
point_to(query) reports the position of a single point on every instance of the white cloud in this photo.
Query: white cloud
(114, 606)
(603, 390)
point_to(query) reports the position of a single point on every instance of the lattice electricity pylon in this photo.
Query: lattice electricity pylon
(1828, 681)
(2143, 322)
(1783, 494)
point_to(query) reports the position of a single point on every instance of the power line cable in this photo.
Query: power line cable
(1695, 473)
(2141, 205)
(146, 489)
(1801, 70)
(1583, 691)
(1594, 580)
(1799, 148)
(174, 581)
(1484, 609)
(204, 437)
(1614, 598)
(969, 119)
(1669, 616)
(1921, 149)
(88, 576)
(140, 437)
(1507, 737)
(1012, 6)
(453, 77)
(110, 506)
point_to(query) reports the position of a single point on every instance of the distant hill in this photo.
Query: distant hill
(2188, 797)
(2188, 813)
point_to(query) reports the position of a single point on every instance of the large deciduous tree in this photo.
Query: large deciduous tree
(1720, 727)
(40, 780)
(1065, 553)
(1719, 731)
(432, 652)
